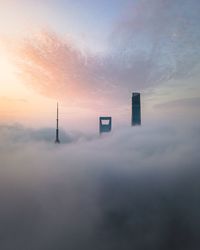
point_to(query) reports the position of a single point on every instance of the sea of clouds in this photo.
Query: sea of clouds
(136, 188)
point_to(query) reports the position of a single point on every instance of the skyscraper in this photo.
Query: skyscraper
(136, 109)
(57, 127)
(105, 124)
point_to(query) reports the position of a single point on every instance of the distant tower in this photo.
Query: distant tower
(105, 124)
(57, 127)
(136, 109)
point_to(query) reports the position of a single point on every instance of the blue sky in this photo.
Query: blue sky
(91, 21)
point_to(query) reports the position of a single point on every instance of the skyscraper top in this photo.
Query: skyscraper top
(105, 124)
(136, 109)
(57, 126)
(135, 93)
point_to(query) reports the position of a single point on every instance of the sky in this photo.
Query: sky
(91, 55)
(133, 188)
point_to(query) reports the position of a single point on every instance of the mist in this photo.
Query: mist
(136, 188)
(132, 189)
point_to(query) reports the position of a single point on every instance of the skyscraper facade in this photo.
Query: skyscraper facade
(136, 109)
(105, 124)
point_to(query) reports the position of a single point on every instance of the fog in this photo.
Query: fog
(136, 188)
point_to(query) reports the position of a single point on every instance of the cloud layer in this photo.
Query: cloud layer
(19, 134)
(136, 188)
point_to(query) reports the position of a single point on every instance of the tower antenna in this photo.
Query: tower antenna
(57, 126)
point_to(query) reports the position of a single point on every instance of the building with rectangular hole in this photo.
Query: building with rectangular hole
(105, 124)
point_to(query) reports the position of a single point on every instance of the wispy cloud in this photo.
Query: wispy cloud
(154, 42)
(180, 103)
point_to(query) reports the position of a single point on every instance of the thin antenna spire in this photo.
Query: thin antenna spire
(57, 126)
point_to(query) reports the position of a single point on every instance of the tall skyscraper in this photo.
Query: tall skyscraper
(105, 124)
(57, 126)
(136, 109)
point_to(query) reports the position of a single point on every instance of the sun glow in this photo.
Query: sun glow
(17, 101)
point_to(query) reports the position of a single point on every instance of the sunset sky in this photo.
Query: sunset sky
(91, 55)
(136, 187)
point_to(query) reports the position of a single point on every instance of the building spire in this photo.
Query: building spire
(57, 126)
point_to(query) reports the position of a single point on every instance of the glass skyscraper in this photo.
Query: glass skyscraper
(105, 124)
(136, 109)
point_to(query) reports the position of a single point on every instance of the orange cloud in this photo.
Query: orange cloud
(53, 66)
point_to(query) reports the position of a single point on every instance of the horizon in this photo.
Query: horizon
(44, 61)
(66, 67)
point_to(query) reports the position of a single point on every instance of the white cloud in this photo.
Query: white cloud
(134, 188)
